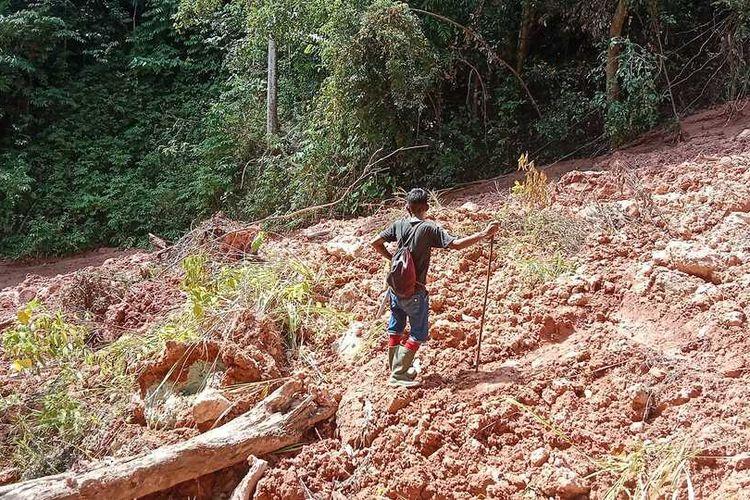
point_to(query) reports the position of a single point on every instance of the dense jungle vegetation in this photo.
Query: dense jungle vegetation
(122, 117)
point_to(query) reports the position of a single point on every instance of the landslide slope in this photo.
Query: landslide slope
(615, 351)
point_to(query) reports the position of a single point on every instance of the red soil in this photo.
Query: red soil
(645, 341)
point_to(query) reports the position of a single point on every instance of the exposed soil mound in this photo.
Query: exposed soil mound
(615, 346)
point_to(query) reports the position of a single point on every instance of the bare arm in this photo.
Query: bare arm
(467, 241)
(378, 244)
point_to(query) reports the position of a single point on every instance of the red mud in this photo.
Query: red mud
(12, 273)
(645, 340)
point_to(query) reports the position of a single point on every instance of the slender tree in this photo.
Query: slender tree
(615, 47)
(528, 14)
(272, 112)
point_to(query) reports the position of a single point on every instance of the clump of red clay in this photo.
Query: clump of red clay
(644, 338)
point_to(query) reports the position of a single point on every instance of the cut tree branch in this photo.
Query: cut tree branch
(278, 421)
(366, 172)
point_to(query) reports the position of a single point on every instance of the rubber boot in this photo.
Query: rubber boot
(400, 374)
(411, 372)
(392, 349)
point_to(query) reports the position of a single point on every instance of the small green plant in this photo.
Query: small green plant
(198, 283)
(39, 337)
(257, 242)
(46, 435)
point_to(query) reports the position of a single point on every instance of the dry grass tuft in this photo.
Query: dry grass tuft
(534, 189)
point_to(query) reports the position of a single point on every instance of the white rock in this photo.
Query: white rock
(347, 248)
(694, 258)
(657, 373)
(209, 405)
(578, 299)
(538, 457)
(744, 135)
(469, 206)
(636, 427)
(350, 342)
(733, 318)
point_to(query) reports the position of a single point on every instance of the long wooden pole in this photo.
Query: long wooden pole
(484, 308)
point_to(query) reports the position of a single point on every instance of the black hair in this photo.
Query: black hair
(417, 196)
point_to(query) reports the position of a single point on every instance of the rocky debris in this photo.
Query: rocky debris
(9, 475)
(350, 342)
(578, 299)
(399, 400)
(706, 295)
(469, 207)
(728, 313)
(209, 405)
(641, 401)
(657, 373)
(733, 366)
(647, 339)
(682, 396)
(562, 482)
(357, 418)
(637, 427)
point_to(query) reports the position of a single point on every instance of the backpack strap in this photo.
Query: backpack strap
(405, 242)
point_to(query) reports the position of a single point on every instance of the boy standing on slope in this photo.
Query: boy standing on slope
(419, 236)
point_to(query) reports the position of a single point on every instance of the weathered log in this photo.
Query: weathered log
(244, 490)
(278, 421)
(156, 242)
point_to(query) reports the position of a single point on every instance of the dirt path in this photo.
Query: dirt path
(12, 273)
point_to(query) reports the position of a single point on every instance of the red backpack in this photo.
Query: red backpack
(402, 277)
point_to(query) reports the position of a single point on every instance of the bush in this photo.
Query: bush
(638, 111)
(40, 337)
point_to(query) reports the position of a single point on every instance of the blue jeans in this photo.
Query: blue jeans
(416, 308)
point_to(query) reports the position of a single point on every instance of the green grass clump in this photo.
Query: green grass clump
(46, 429)
(649, 470)
(539, 244)
(283, 291)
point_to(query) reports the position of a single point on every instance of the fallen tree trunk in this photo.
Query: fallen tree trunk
(279, 420)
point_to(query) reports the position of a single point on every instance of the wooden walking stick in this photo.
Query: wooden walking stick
(484, 308)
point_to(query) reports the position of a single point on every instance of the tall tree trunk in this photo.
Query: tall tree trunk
(613, 52)
(524, 34)
(272, 115)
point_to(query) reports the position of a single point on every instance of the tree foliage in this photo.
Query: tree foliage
(123, 118)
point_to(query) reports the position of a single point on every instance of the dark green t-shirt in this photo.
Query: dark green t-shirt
(428, 236)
